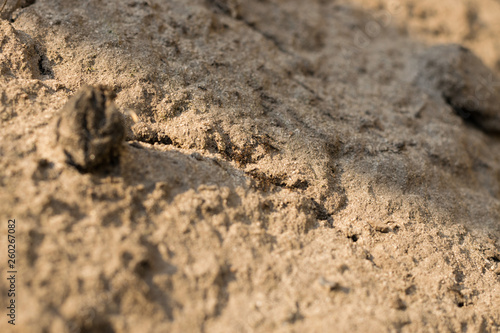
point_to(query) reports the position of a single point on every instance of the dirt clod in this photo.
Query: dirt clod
(464, 81)
(90, 129)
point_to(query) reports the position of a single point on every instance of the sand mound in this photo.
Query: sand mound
(288, 166)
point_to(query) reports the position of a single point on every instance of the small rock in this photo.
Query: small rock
(464, 81)
(90, 129)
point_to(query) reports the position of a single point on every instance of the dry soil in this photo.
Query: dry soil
(287, 166)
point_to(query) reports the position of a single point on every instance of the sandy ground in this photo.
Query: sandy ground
(266, 166)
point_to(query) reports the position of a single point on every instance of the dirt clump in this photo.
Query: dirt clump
(90, 130)
(461, 78)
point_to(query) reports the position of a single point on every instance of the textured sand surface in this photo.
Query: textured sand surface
(288, 166)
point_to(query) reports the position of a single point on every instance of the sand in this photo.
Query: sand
(266, 166)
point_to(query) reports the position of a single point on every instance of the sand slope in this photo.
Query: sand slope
(289, 166)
